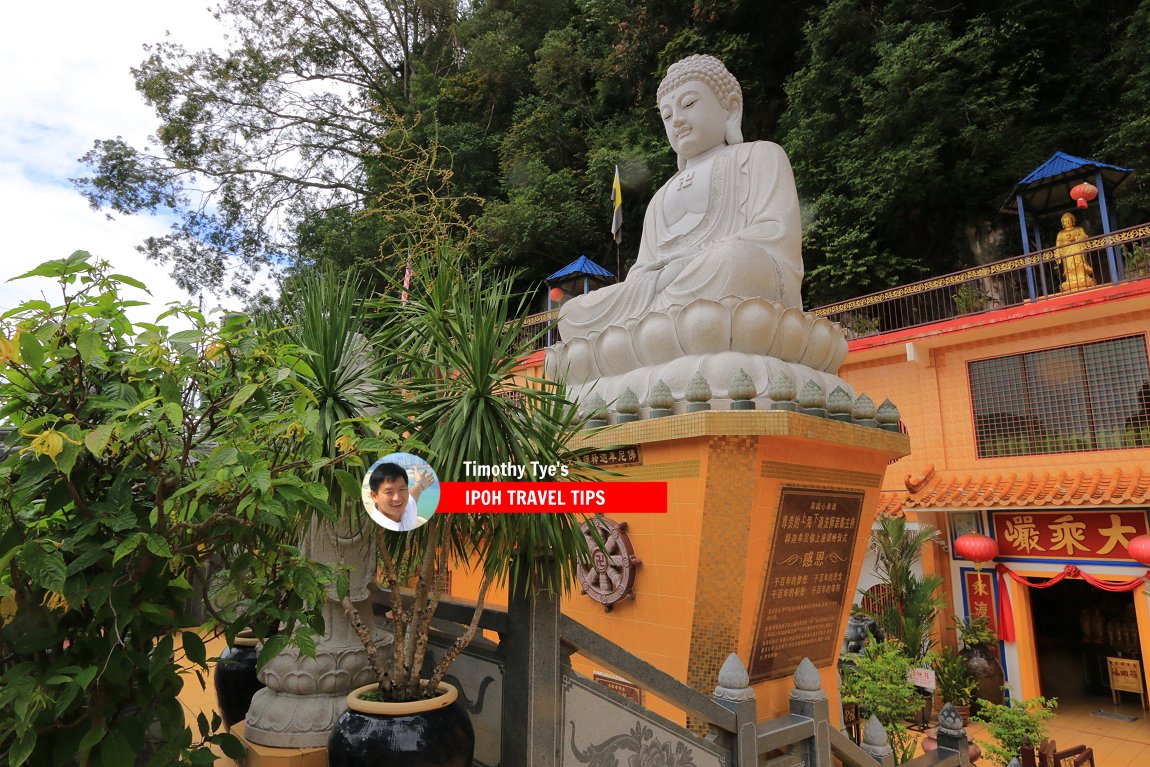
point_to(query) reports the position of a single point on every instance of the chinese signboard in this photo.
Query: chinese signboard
(623, 456)
(1125, 674)
(621, 686)
(807, 581)
(1067, 535)
(980, 595)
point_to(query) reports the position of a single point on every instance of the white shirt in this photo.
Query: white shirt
(409, 521)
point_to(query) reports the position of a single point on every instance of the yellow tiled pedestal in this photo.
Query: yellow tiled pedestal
(699, 592)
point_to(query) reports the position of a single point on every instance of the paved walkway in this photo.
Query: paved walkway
(1116, 743)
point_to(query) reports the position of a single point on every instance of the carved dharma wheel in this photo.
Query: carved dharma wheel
(611, 575)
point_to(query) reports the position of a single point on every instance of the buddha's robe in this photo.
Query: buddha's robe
(746, 242)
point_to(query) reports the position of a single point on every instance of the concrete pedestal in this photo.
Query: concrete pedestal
(760, 553)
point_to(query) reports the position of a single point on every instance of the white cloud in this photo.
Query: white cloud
(65, 82)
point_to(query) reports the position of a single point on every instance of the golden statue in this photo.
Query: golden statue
(1071, 251)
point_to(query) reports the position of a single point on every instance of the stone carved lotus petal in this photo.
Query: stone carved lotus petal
(614, 352)
(754, 324)
(791, 338)
(821, 344)
(555, 362)
(580, 361)
(656, 340)
(704, 326)
(841, 349)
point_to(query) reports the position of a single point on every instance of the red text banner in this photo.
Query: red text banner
(553, 498)
(980, 595)
(1067, 534)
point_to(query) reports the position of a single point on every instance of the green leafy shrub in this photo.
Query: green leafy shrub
(1011, 724)
(140, 459)
(877, 680)
(955, 682)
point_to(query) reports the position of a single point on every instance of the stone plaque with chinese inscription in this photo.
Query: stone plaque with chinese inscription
(807, 580)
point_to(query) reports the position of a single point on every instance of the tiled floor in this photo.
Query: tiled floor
(1115, 743)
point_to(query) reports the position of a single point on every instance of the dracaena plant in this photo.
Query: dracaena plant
(139, 462)
(455, 343)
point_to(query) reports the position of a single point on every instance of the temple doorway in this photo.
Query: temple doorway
(1076, 628)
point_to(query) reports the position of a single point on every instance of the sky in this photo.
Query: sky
(65, 82)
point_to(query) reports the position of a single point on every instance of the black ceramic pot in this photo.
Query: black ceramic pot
(236, 680)
(422, 733)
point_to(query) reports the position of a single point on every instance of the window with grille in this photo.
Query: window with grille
(1092, 396)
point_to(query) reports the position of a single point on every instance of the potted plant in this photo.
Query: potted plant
(877, 679)
(908, 611)
(1012, 725)
(955, 683)
(980, 649)
(456, 344)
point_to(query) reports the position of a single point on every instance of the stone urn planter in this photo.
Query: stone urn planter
(424, 733)
(983, 664)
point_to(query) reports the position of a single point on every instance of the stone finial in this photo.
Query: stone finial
(839, 402)
(950, 721)
(812, 399)
(628, 402)
(595, 411)
(659, 399)
(875, 742)
(627, 406)
(808, 683)
(781, 390)
(698, 393)
(863, 411)
(734, 681)
(888, 415)
(742, 391)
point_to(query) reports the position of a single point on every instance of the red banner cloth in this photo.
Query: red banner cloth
(1006, 612)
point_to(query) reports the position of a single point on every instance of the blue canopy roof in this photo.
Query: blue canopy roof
(1047, 188)
(581, 266)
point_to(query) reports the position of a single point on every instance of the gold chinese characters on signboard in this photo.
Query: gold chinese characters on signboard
(621, 456)
(807, 580)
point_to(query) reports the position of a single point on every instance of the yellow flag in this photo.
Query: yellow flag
(617, 204)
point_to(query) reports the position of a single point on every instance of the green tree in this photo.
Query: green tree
(455, 346)
(909, 124)
(276, 133)
(137, 455)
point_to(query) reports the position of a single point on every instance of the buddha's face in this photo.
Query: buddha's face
(1068, 220)
(694, 119)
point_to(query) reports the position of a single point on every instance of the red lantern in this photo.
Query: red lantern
(556, 295)
(1139, 549)
(976, 547)
(1084, 193)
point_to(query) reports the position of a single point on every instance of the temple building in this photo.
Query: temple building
(1025, 390)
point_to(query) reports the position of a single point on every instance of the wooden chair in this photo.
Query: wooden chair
(1026, 754)
(1085, 759)
(1068, 757)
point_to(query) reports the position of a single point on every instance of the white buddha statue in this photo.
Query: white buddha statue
(726, 224)
(722, 232)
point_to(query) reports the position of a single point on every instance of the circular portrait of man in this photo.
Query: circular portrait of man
(400, 492)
